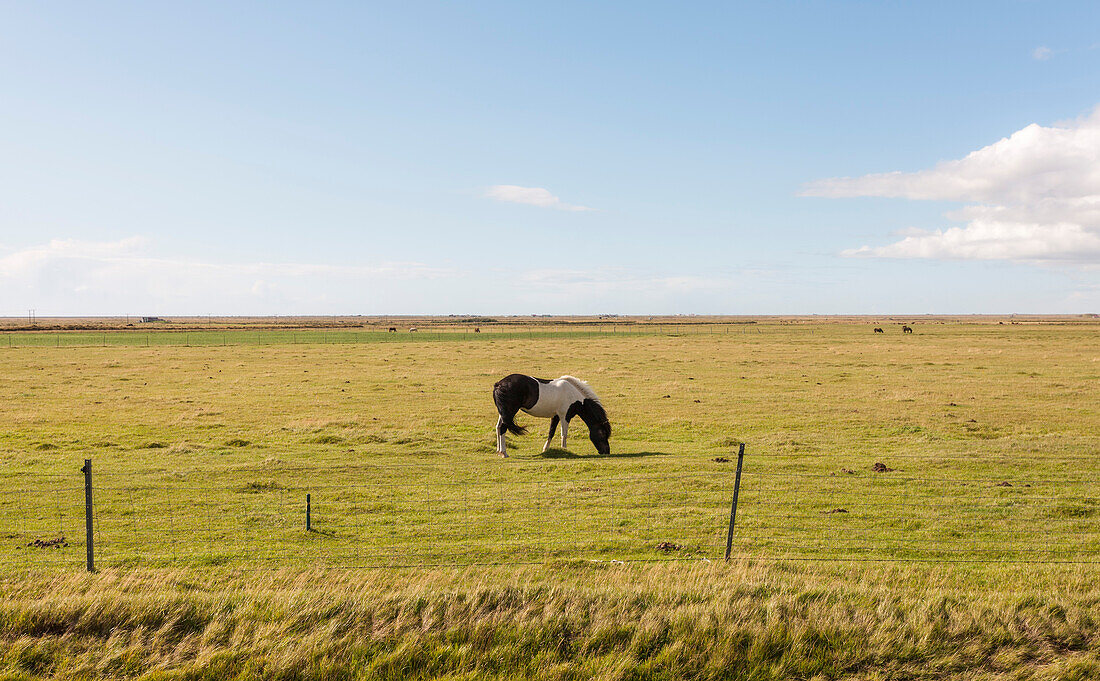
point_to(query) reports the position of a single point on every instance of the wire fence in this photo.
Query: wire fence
(927, 519)
(380, 334)
(399, 516)
(378, 521)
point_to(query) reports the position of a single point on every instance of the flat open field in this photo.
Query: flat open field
(430, 556)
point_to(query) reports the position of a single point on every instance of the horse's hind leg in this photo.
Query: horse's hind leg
(553, 426)
(502, 441)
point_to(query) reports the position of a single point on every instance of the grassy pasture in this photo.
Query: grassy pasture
(203, 453)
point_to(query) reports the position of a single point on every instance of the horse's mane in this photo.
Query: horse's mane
(585, 389)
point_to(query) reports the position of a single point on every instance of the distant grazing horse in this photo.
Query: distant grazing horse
(413, 330)
(393, 329)
(477, 330)
(906, 329)
(878, 330)
(558, 400)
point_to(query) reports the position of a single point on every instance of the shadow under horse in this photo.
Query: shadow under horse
(555, 453)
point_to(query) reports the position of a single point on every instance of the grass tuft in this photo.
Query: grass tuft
(257, 487)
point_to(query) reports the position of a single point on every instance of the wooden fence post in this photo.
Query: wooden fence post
(87, 469)
(733, 507)
(309, 526)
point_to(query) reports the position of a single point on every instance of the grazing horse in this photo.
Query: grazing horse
(878, 330)
(393, 329)
(477, 330)
(413, 330)
(558, 400)
(906, 329)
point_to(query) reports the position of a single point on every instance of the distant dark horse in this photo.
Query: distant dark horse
(558, 400)
(878, 330)
(393, 329)
(906, 329)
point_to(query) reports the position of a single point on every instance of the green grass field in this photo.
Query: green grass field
(431, 557)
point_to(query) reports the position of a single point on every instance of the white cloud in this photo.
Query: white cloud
(130, 253)
(909, 231)
(531, 196)
(1042, 53)
(1034, 196)
(31, 259)
(983, 240)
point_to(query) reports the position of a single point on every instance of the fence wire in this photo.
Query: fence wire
(399, 516)
(165, 336)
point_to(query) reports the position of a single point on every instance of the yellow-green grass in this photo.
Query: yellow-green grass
(203, 456)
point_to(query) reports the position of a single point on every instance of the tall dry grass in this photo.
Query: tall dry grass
(564, 621)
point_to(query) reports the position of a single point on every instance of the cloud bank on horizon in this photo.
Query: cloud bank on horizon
(73, 277)
(1033, 196)
(69, 277)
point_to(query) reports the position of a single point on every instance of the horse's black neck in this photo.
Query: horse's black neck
(592, 413)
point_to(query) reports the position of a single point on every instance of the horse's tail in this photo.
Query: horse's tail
(507, 415)
(511, 427)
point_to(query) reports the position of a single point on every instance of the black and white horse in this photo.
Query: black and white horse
(558, 400)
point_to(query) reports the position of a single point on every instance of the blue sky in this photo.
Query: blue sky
(510, 158)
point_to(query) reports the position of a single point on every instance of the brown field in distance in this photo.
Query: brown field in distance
(405, 322)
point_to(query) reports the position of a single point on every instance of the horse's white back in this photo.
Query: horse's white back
(558, 395)
(585, 389)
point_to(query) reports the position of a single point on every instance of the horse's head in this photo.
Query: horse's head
(599, 428)
(600, 436)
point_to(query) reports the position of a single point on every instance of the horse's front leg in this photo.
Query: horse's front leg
(553, 426)
(564, 431)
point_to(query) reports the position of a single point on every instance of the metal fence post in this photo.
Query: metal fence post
(309, 526)
(87, 469)
(733, 507)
